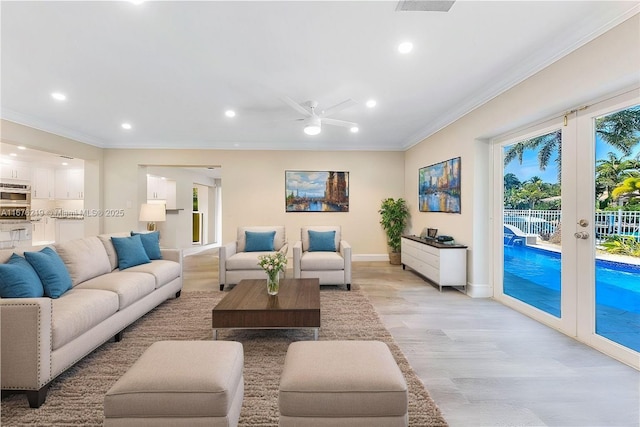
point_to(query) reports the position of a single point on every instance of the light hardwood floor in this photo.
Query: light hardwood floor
(483, 363)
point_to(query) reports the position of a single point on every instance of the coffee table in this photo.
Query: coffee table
(248, 306)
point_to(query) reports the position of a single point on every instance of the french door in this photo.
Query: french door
(554, 220)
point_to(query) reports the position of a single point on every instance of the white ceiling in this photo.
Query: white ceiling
(171, 69)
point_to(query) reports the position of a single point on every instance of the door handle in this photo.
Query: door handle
(581, 235)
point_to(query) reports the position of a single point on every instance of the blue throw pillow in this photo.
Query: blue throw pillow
(322, 241)
(51, 270)
(151, 244)
(259, 241)
(19, 280)
(130, 251)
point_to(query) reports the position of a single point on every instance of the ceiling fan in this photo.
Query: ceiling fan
(313, 120)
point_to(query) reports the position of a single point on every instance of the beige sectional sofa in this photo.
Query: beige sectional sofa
(42, 337)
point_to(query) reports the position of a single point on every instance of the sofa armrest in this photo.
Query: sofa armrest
(172, 254)
(297, 258)
(25, 333)
(345, 251)
(284, 249)
(224, 253)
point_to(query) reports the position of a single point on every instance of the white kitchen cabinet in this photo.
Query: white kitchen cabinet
(156, 188)
(442, 264)
(69, 229)
(160, 189)
(15, 171)
(69, 184)
(42, 183)
(171, 194)
(44, 230)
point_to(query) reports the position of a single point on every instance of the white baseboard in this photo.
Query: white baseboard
(479, 290)
(370, 257)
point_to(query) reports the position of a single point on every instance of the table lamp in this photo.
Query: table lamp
(152, 213)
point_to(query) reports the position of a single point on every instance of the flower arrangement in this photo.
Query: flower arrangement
(273, 264)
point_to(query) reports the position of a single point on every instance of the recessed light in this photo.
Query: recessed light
(65, 164)
(21, 147)
(58, 96)
(405, 47)
(126, 126)
(230, 113)
(354, 129)
(371, 103)
(13, 154)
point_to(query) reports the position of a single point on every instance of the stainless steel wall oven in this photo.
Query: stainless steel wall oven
(15, 201)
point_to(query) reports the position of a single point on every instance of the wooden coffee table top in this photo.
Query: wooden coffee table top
(248, 305)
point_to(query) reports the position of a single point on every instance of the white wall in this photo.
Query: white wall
(254, 192)
(608, 64)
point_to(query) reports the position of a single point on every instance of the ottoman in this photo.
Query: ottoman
(342, 383)
(180, 383)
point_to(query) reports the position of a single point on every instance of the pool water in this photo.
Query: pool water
(532, 275)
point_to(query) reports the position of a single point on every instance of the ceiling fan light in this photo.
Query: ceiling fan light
(312, 129)
(312, 126)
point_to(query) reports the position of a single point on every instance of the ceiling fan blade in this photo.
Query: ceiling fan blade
(338, 107)
(335, 122)
(293, 104)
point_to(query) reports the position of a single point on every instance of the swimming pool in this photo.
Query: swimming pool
(532, 275)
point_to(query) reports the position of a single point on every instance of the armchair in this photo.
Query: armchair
(239, 259)
(321, 253)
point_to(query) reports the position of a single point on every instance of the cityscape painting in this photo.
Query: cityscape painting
(308, 191)
(439, 187)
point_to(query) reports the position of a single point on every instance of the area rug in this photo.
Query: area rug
(77, 396)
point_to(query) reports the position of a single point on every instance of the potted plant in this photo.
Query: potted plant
(395, 215)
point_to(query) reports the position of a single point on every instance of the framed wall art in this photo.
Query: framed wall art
(439, 187)
(316, 191)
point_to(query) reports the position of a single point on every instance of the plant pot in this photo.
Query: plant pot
(394, 258)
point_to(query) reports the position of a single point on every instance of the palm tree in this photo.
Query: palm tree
(546, 144)
(611, 171)
(511, 182)
(532, 191)
(630, 187)
(620, 130)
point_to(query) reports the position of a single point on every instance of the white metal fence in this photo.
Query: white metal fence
(545, 222)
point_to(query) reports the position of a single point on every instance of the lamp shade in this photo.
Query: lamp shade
(153, 212)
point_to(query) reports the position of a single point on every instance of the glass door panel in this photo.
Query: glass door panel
(617, 226)
(532, 245)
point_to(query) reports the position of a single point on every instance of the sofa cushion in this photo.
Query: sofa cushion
(322, 241)
(130, 251)
(278, 240)
(18, 279)
(84, 258)
(304, 232)
(245, 261)
(78, 311)
(51, 270)
(151, 243)
(321, 261)
(259, 241)
(110, 249)
(163, 271)
(129, 286)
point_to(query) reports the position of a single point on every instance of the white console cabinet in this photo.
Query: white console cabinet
(442, 264)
